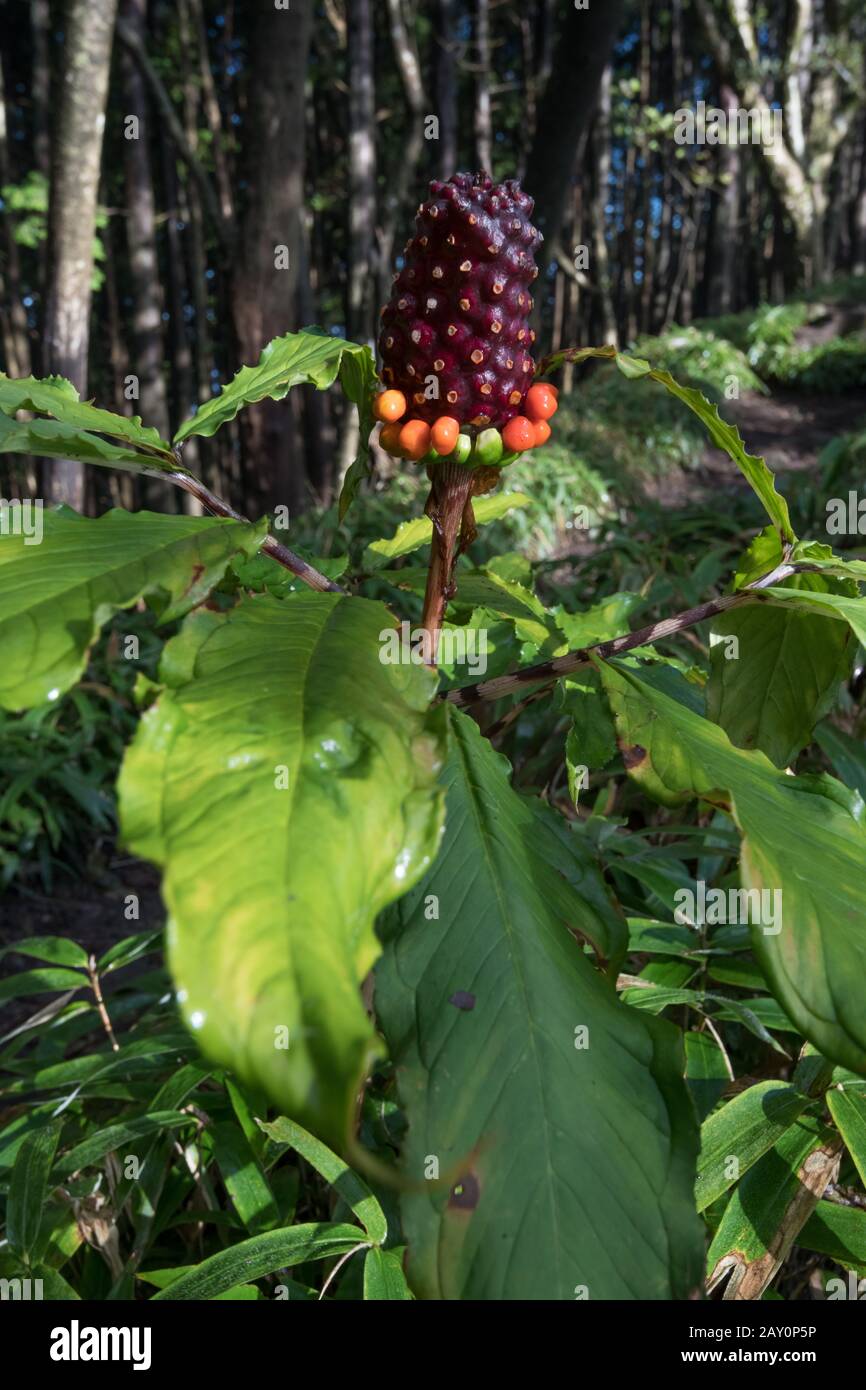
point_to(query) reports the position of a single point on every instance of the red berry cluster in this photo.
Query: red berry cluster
(415, 438)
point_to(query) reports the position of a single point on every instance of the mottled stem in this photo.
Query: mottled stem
(449, 509)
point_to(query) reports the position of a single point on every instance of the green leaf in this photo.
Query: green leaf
(411, 535)
(164, 1278)
(260, 1255)
(75, 429)
(483, 995)
(727, 437)
(769, 1207)
(58, 950)
(104, 1141)
(784, 676)
(54, 1287)
(285, 780)
(847, 754)
(42, 981)
(482, 588)
(244, 1179)
(735, 1137)
(723, 435)
(55, 597)
(706, 1071)
(354, 1192)
(799, 839)
(839, 1232)
(840, 607)
(384, 1279)
(28, 1188)
(311, 357)
(848, 1109)
(359, 382)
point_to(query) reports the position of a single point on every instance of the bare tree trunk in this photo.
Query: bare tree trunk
(184, 393)
(723, 261)
(446, 85)
(76, 159)
(13, 318)
(566, 108)
(40, 21)
(483, 118)
(265, 273)
(141, 236)
(213, 114)
(409, 67)
(600, 268)
(362, 169)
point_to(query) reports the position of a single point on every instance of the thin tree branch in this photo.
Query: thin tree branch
(277, 551)
(548, 672)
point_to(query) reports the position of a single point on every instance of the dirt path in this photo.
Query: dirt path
(789, 430)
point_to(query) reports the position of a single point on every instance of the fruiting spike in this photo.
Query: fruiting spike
(461, 304)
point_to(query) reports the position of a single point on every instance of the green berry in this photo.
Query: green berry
(488, 448)
(462, 449)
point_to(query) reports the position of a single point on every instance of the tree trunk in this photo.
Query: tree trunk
(141, 236)
(13, 317)
(76, 161)
(401, 181)
(445, 64)
(483, 117)
(566, 109)
(265, 272)
(362, 169)
(40, 23)
(724, 233)
(600, 266)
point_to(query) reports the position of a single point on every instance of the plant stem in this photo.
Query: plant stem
(277, 551)
(450, 496)
(548, 672)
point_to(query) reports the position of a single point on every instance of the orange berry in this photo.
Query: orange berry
(389, 438)
(389, 406)
(415, 439)
(519, 435)
(540, 402)
(542, 432)
(444, 434)
(555, 389)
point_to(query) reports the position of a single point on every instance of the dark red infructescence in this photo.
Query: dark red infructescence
(455, 341)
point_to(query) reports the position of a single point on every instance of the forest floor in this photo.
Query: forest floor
(787, 429)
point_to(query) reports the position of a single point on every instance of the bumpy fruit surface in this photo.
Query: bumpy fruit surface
(459, 315)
